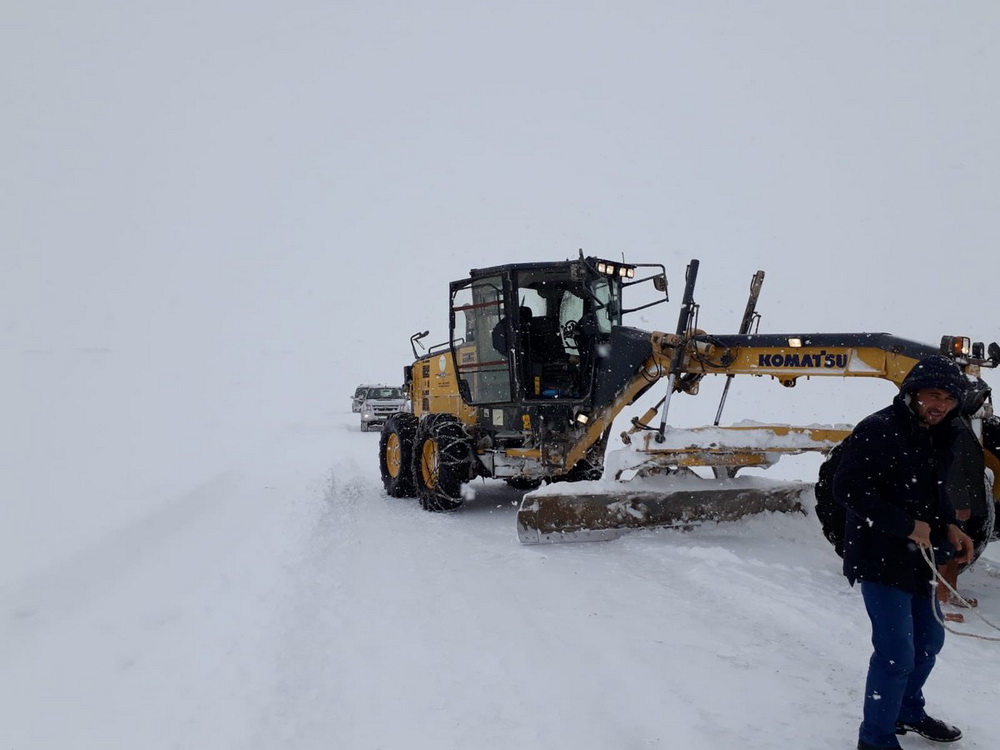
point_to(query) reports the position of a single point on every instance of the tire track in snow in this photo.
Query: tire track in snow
(56, 593)
(174, 598)
(432, 607)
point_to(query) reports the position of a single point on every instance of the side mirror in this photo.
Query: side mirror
(660, 282)
(415, 341)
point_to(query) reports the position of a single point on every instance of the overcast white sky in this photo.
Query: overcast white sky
(218, 214)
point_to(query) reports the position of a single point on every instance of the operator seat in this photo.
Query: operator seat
(546, 358)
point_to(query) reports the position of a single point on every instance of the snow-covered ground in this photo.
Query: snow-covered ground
(284, 601)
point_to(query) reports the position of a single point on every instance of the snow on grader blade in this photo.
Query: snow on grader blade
(668, 492)
(602, 515)
(540, 362)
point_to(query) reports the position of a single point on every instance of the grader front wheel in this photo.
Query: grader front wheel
(443, 459)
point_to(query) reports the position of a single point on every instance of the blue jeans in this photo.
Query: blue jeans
(907, 637)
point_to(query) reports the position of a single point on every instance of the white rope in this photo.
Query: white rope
(938, 580)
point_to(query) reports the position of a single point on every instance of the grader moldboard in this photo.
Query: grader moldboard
(539, 364)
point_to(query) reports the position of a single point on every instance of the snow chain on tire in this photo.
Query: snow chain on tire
(443, 460)
(395, 452)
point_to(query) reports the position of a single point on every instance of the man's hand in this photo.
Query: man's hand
(921, 533)
(961, 542)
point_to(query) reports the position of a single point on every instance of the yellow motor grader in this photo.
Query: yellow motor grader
(539, 364)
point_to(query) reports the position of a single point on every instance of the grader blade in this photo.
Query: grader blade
(547, 516)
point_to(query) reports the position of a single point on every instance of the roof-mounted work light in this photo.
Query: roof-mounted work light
(956, 346)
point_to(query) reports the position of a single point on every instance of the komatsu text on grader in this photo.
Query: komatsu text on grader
(539, 364)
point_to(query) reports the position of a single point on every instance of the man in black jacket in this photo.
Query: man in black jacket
(890, 480)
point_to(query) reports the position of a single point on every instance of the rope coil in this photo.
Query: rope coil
(938, 579)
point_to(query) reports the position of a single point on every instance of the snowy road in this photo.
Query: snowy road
(287, 602)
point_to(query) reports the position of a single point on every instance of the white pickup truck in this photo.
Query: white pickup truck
(377, 402)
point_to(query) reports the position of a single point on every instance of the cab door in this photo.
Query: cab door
(481, 340)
